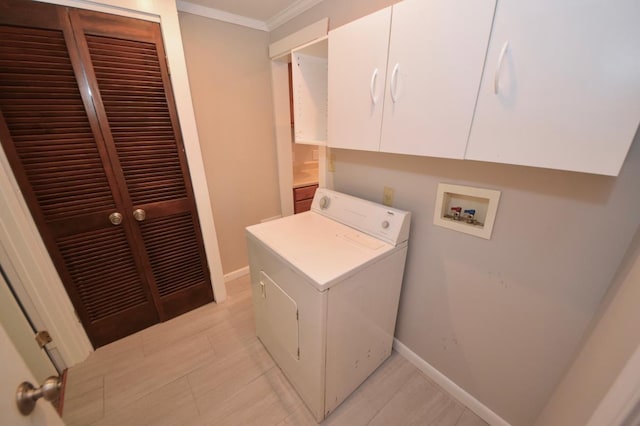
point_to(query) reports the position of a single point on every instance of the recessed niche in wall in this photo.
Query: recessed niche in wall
(466, 209)
(309, 80)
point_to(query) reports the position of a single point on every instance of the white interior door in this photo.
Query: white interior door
(14, 371)
(22, 335)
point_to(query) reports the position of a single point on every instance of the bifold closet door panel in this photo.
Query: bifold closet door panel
(51, 136)
(132, 93)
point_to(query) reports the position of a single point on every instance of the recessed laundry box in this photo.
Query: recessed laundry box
(325, 286)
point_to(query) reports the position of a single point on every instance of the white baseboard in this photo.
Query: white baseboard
(236, 274)
(448, 385)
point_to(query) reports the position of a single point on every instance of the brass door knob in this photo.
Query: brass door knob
(115, 218)
(139, 215)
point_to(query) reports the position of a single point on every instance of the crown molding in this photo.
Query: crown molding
(221, 15)
(272, 23)
(290, 12)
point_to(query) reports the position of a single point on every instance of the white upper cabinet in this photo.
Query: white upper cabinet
(309, 83)
(436, 54)
(561, 85)
(357, 75)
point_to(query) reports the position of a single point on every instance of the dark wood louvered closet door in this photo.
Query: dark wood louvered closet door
(84, 146)
(125, 60)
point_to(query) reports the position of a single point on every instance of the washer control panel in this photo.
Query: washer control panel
(386, 223)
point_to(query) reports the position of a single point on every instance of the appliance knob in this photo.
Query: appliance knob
(385, 224)
(324, 202)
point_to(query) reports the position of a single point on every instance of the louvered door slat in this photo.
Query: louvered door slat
(63, 150)
(156, 186)
(55, 179)
(16, 79)
(42, 142)
(70, 118)
(138, 111)
(51, 159)
(143, 153)
(26, 126)
(61, 110)
(187, 266)
(171, 263)
(103, 268)
(108, 283)
(134, 69)
(54, 184)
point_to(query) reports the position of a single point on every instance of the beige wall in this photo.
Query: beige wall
(229, 74)
(604, 354)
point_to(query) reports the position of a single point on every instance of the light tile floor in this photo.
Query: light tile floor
(207, 367)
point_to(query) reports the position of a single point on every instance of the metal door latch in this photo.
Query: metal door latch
(43, 337)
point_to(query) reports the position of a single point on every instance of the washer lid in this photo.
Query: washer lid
(320, 248)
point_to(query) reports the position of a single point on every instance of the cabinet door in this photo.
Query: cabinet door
(357, 75)
(309, 70)
(561, 86)
(436, 54)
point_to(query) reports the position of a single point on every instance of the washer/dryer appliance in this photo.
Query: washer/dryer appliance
(325, 288)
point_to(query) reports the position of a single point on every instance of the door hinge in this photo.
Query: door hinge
(298, 315)
(166, 61)
(298, 353)
(42, 338)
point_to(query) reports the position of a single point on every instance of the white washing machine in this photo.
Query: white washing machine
(326, 286)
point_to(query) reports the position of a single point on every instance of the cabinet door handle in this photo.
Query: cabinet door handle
(372, 86)
(394, 83)
(496, 77)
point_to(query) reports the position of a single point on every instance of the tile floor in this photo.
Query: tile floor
(207, 368)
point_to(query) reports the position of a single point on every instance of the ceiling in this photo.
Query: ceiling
(259, 14)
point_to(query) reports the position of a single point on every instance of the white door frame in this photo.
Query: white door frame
(280, 96)
(22, 245)
(280, 53)
(21, 331)
(33, 276)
